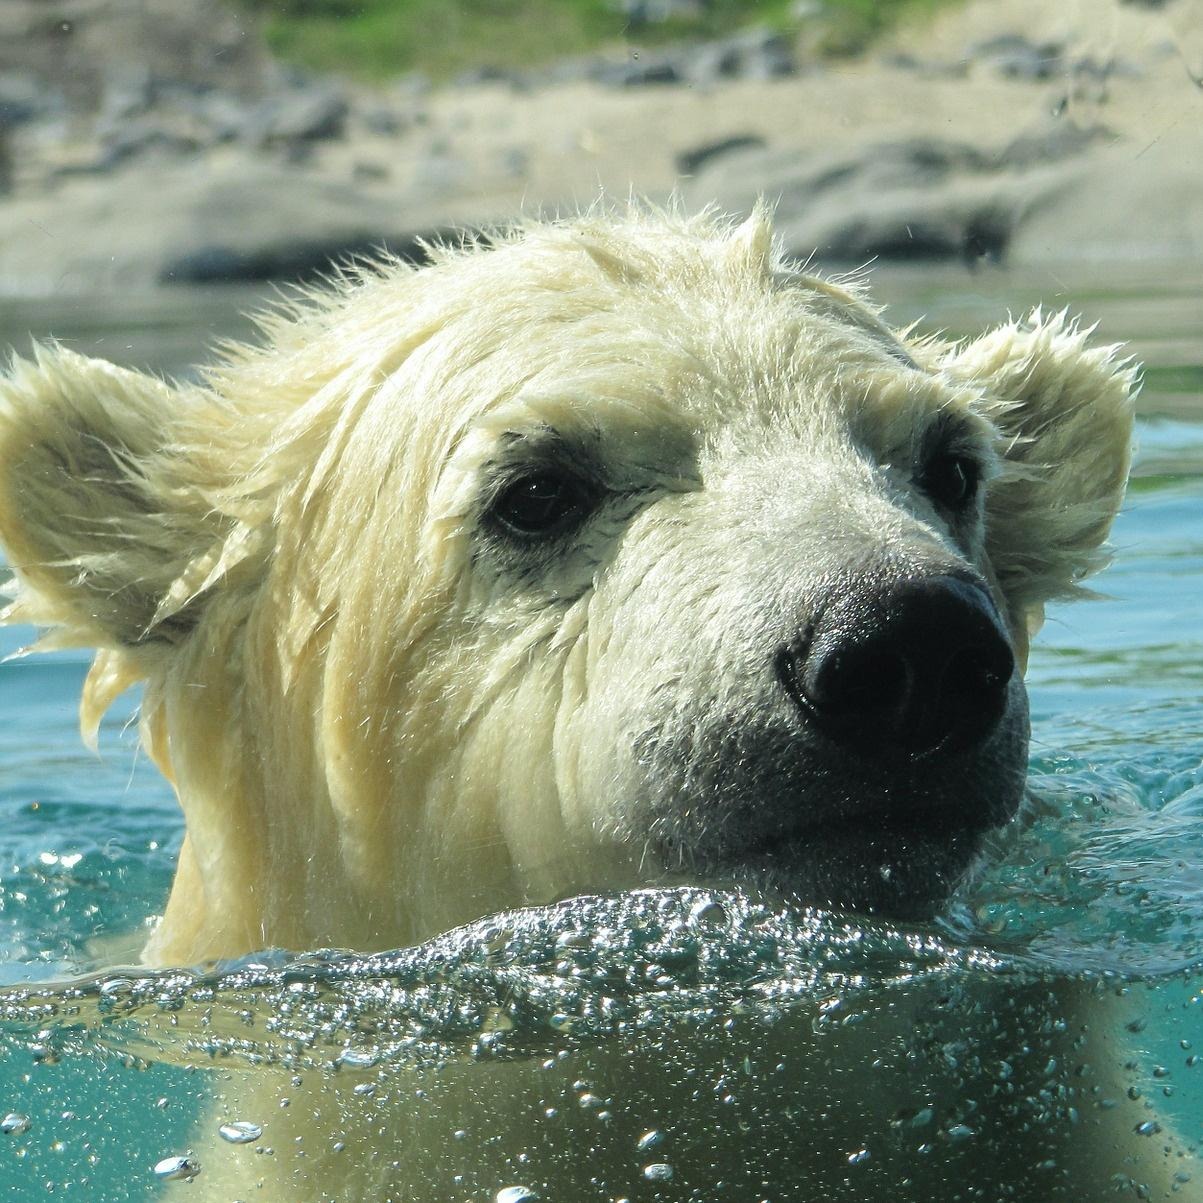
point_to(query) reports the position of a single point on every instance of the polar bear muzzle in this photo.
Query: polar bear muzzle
(883, 743)
(912, 717)
(918, 667)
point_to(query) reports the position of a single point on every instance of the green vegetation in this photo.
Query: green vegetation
(1175, 378)
(379, 38)
(848, 27)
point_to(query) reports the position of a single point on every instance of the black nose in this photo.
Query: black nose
(921, 664)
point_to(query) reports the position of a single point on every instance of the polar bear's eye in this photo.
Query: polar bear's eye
(950, 479)
(545, 502)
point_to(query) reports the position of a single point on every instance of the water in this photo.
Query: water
(652, 1046)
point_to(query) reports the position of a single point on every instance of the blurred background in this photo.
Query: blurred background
(147, 145)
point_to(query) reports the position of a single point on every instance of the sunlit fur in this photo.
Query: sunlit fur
(375, 726)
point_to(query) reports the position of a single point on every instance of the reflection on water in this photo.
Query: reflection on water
(656, 1045)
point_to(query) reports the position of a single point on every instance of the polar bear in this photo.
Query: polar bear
(612, 551)
(599, 553)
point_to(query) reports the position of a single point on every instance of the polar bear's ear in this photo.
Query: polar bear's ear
(1064, 410)
(96, 526)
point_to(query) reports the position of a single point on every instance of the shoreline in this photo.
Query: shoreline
(1075, 140)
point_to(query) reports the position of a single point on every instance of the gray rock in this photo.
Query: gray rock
(1014, 55)
(1062, 141)
(412, 86)
(756, 53)
(1133, 203)
(24, 97)
(440, 174)
(488, 73)
(128, 92)
(227, 117)
(387, 122)
(918, 199)
(81, 47)
(639, 72)
(300, 114)
(689, 162)
(515, 162)
(903, 60)
(295, 259)
(1107, 68)
(365, 171)
(189, 221)
(143, 115)
(136, 139)
(571, 69)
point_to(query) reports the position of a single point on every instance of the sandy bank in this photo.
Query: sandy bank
(1018, 131)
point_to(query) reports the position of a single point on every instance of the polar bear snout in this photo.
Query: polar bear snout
(869, 755)
(914, 666)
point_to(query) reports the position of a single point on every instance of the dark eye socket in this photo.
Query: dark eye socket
(951, 479)
(544, 502)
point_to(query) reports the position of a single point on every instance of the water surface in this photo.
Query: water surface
(1099, 894)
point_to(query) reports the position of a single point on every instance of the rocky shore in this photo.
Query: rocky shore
(141, 147)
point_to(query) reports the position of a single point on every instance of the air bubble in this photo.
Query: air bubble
(649, 1140)
(658, 1171)
(708, 912)
(355, 1058)
(517, 1194)
(240, 1132)
(177, 1169)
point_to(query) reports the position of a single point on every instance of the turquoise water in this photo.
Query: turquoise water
(1099, 895)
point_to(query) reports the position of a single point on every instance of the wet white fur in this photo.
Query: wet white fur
(374, 736)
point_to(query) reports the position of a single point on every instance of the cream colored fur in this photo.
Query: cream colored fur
(282, 553)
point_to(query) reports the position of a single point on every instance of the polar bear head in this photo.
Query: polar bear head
(607, 552)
